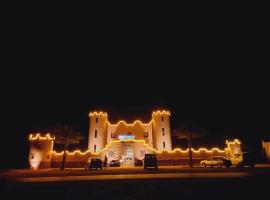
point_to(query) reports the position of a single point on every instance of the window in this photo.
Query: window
(96, 120)
(95, 148)
(145, 134)
(112, 135)
(48, 156)
(31, 156)
(95, 133)
(163, 131)
(162, 118)
(163, 145)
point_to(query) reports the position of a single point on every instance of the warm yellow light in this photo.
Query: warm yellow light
(38, 137)
(72, 153)
(163, 112)
(97, 113)
(236, 141)
(129, 124)
(200, 150)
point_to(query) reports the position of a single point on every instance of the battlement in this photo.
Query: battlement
(235, 141)
(95, 113)
(161, 112)
(38, 136)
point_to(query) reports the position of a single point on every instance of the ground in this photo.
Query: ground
(137, 183)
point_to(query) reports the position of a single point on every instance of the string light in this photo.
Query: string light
(130, 124)
(200, 150)
(39, 137)
(97, 113)
(236, 141)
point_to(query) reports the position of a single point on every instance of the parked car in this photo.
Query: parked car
(218, 161)
(150, 160)
(226, 161)
(138, 162)
(94, 163)
(114, 163)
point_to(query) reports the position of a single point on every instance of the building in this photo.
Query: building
(266, 148)
(123, 141)
(128, 142)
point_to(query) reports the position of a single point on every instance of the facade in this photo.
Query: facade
(124, 142)
(266, 147)
(128, 142)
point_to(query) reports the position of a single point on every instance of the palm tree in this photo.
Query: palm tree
(188, 130)
(66, 135)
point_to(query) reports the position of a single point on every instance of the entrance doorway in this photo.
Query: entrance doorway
(128, 157)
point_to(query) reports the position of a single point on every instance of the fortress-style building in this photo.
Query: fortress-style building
(128, 142)
(122, 141)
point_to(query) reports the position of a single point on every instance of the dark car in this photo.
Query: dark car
(150, 160)
(248, 159)
(114, 163)
(226, 161)
(95, 163)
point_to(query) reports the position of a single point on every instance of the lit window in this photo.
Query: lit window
(162, 118)
(95, 148)
(145, 134)
(95, 133)
(96, 120)
(31, 156)
(163, 145)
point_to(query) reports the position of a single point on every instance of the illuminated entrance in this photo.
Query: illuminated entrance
(128, 155)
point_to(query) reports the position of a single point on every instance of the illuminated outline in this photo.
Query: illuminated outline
(163, 112)
(39, 137)
(202, 149)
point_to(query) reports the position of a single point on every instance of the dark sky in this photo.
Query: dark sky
(212, 73)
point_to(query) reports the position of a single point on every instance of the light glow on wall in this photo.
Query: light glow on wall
(36, 160)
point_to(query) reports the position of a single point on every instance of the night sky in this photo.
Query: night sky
(213, 74)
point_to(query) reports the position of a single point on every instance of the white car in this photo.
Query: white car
(212, 161)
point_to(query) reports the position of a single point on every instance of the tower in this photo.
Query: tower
(234, 147)
(40, 151)
(97, 138)
(162, 130)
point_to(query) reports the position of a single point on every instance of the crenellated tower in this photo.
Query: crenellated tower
(162, 130)
(40, 151)
(97, 138)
